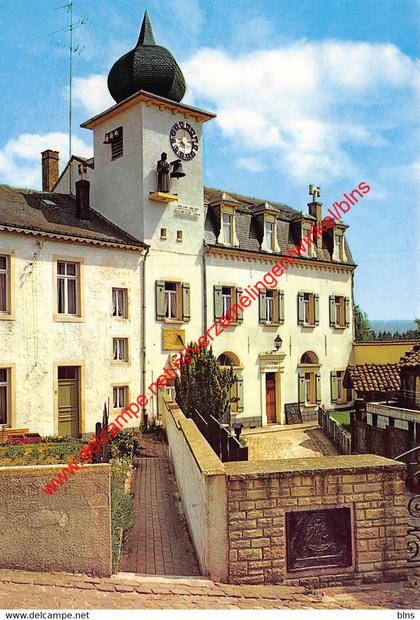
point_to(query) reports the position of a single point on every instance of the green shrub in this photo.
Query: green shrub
(13, 452)
(66, 439)
(121, 508)
(123, 445)
(154, 428)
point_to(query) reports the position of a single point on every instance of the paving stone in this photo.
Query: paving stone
(159, 542)
(83, 594)
(105, 587)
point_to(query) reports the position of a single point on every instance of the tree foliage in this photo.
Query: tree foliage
(363, 330)
(204, 385)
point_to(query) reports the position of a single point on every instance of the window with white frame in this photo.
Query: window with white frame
(338, 246)
(120, 349)
(171, 300)
(4, 284)
(339, 311)
(4, 395)
(227, 220)
(308, 248)
(308, 309)
(226, 299)
(119, 303)
(68, 288)
(269, 235)
(309, 388)
(307, 302)
(120, 396)
(269, 316)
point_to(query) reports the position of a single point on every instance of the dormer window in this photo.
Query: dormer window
(308, 248)
(269, 235)
(227, 220)
(339, 253)
(269, 239)
(115, 139)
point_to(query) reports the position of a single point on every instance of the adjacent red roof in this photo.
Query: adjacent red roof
(412, 358)
(374, 377)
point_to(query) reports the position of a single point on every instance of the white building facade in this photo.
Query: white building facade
(70, 324)
(188, 255)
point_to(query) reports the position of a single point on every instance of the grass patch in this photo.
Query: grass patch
(50, 453)
(342, 418)
(121, 508)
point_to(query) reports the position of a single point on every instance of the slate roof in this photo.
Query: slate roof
(55, 215)
(248, 225)
(373, 377)
(147, 67)
(411, 358)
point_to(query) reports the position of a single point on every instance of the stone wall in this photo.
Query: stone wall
(261, 494)
(201, 482)
(68, 531)
(313, 521)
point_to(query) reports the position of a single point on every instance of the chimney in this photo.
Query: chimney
(50, 169)
(82, 200)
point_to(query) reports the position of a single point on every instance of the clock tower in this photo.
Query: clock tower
(159, 203)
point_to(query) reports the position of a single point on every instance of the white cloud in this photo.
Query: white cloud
(20, 158)
(304, 106)
(91, 94)
(250, 163)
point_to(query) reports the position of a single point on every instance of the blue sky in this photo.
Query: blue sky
(306, 91)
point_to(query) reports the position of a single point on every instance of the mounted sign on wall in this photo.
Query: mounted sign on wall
(193, 212)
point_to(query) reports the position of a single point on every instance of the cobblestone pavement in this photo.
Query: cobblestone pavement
(159, 542)
(26, 590)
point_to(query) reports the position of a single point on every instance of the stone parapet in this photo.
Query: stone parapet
(263, 495)
(67, 531)
(307, 521)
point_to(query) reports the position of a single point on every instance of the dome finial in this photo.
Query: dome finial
(147, 67)
(146, 33)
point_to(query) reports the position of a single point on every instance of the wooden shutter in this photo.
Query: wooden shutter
(301, 309)
(280, 308)
(238, 294)
(160, 300)
(263, 307)
(318, 387)
(301, 388)
(332, 311)
(316, 308)
(218, 302)
(347, 311)
(240, 384)
(186, 306)
(334, 386)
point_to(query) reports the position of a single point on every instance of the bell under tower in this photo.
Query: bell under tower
(148, 150)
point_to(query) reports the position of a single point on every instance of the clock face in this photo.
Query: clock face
(184, 140)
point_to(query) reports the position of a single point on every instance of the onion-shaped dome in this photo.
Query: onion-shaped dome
(147, 67)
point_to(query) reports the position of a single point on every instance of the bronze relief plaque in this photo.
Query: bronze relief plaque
(318, 539)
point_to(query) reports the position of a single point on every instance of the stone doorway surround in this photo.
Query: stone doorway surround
(272, 362)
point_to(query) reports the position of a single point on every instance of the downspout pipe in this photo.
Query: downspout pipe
(143, 331)
(205, 251)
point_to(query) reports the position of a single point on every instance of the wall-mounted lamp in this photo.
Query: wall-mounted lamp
(277, 342)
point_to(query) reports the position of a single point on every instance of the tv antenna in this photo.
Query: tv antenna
(72, 50)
